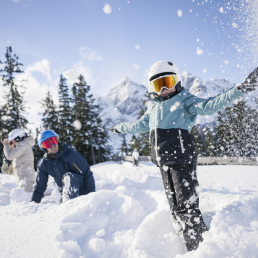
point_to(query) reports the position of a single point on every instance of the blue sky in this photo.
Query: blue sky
(53, 37)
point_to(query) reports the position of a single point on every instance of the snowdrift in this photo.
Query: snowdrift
(129, 216)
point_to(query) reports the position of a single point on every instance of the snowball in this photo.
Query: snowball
(77, 124)
(199, 51)
(179, 13)
(107, 9)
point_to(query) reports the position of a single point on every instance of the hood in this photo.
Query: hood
(30, 141)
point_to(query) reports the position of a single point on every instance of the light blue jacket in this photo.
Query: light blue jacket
(180, 111)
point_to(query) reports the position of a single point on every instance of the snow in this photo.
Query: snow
(107, 9)
(129, 216)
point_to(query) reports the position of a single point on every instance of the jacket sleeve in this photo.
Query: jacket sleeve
(197, 106)
(80, 166)
(15, 153)
(140, 126)
(41, 184)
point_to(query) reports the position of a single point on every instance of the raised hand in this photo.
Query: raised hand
(250, 83)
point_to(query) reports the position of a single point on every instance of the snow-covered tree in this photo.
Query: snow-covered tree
(89, 134)
(64, 112)
(13, 111)
(50, 114)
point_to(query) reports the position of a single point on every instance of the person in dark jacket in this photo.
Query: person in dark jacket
(69, 169)
(169, 120)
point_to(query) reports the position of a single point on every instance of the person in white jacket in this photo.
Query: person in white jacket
(18, 148)
(135, 156)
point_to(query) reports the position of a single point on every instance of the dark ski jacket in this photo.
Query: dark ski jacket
(57, 166)
(169, 121)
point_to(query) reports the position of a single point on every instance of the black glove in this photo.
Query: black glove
(114, 130)
(250, 83)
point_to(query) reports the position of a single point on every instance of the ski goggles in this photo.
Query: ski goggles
(49, 142)
(167, 82)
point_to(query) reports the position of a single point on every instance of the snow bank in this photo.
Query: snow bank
(129, 216)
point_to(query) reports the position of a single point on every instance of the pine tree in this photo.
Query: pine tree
(209, 142)
(13, 110)
(50, 114)
(64, 112)
(90, 137)
(200, 142)
(124, 145)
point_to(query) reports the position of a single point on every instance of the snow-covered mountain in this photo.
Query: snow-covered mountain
(125, 101)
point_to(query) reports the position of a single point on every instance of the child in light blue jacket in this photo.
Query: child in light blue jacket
(169, 121)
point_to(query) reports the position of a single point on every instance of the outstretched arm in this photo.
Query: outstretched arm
(140, 126)
(203, 107)
(197, 106)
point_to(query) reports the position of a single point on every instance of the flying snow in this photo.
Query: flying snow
(221, 9)
(137, 47)
(204, 70)
(107, 9)
(199, 51)
(179, 13)
(77, 124)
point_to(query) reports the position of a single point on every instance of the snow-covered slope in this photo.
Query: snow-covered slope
(129, 216)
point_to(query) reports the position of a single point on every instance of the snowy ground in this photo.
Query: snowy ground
(129, 216)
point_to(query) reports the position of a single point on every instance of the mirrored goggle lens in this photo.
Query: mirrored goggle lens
(49, 142)
(164, 82)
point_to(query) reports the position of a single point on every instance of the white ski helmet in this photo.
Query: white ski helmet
(161, 69)
(17, 133)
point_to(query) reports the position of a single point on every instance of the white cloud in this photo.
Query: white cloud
(107, 9)
(42, 67)
(179, 13)
(136, 66)
(87, 53)
(204, 70)
(199, 51)
(137, 47)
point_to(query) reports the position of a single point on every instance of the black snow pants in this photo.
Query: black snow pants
(180, 184)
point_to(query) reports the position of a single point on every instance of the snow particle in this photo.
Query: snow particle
(204, 70)
(107, 9)
(221, 9)
(77, 124)
(179, 13)
(137, 47)
(234, 25)
(197, 40)
(199, 52)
